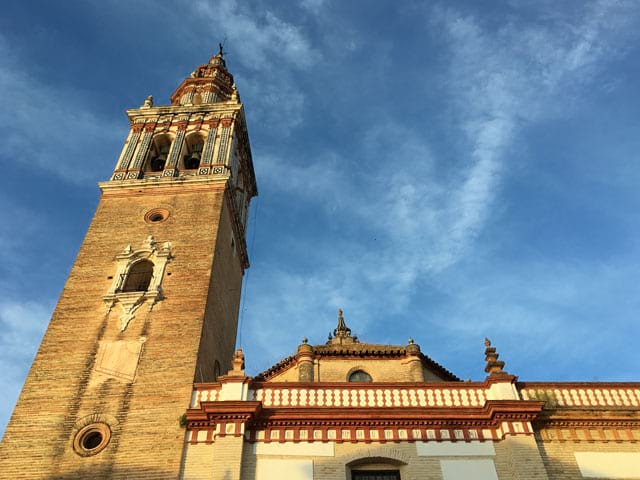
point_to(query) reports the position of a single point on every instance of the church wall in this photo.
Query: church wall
(220, 327)
(512, 458)
(517, 457)
(328, 369)
(564, 457)
(63, 390)
(337, 370)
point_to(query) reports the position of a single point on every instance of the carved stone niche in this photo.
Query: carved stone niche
(131, 299)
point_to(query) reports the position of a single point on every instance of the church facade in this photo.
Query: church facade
(137, 378)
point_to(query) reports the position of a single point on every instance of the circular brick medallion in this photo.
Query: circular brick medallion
(156, 215)
(92, 439)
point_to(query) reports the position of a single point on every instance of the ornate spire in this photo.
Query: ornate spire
(209, 83)
(494, 366)
(218, 58)
(342, 333)
(341, 330)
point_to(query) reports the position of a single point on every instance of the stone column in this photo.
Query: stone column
(416, 373)
(305, 362)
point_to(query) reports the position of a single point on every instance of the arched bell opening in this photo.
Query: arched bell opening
(192, 154)
(139, 276)
(158, 153)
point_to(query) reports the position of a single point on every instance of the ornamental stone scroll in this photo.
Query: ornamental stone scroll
(131, 299)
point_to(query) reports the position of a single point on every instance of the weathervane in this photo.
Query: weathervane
(221, 47)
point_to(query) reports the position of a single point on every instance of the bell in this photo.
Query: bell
(192, 161)
(157, 163)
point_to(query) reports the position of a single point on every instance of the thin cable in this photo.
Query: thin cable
(245, 287)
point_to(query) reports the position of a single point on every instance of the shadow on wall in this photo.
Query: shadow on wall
(109, 473)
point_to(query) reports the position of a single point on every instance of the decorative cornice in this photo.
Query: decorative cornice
(163, 183)
(491, 422)
(491, 413)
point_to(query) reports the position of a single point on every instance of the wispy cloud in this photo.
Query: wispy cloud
(22, 325)
(424, 221)
(272, 51)
(507, 79)
(44, 127)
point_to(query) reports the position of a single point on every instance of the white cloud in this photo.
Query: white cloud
(22, 325)
(501, 81)
(425, 221)
(272, 50)
(266, 40)
(314, 6)
(44, 127)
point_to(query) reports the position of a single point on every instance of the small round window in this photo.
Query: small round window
(360, 376)
(92, 439)
(156, 215)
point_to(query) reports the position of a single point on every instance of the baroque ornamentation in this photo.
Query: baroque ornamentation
(131, 301)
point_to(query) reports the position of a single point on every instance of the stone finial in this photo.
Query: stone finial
(235, 96)
(493, 366)
(341, 330)
(218, 58)
(304, 347)
(342, 333)
(149, 242)
(237, 364)
(412, 347)
(148, 102)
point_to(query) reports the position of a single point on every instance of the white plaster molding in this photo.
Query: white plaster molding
(312, 449)
(277, 469)
(131, 301)
(503, 391)
(234, 391)
(455, 449)
(608, 464)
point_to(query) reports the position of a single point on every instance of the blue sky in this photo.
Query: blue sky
(440, 170)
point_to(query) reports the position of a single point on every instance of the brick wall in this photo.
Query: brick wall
(329, 369)
(63, 390)
(558, 453)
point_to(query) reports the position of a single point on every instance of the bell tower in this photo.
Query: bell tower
(151, 303)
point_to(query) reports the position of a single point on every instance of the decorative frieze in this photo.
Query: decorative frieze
(593, 433)
(356, 434)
